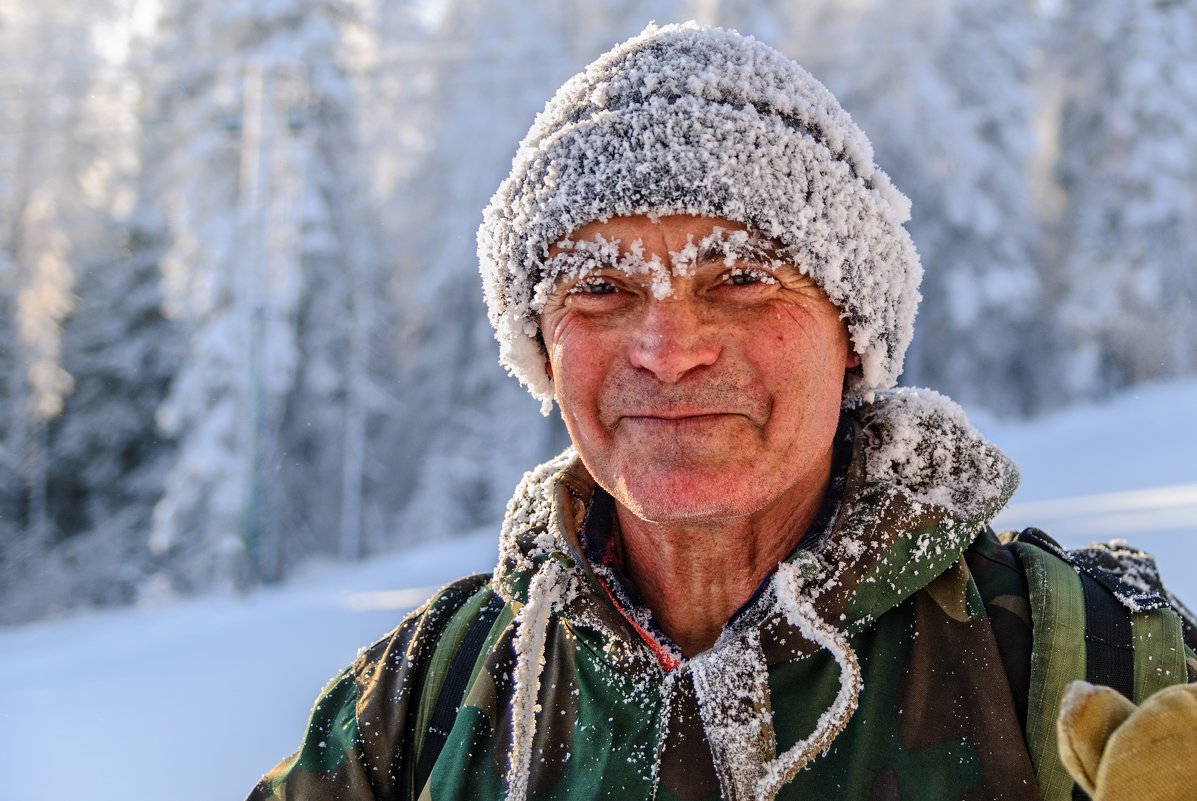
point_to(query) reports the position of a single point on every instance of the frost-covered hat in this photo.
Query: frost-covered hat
(686, 119)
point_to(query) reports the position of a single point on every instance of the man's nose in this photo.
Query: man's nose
(671, 338)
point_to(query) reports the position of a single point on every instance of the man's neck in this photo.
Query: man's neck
(694, 576)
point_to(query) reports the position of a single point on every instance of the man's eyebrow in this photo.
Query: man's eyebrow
(756, 247)
(584, 256)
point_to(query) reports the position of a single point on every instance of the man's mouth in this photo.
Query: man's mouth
(676, 418)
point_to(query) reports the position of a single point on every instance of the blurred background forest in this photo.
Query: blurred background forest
(240, 319)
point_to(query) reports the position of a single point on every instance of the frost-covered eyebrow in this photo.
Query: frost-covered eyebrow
(730, 247)
(576, 260)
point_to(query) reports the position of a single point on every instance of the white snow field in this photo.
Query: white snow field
(193, 700)
(1124, 469)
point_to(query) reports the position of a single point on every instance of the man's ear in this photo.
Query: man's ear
(548, 364)
(853, 371)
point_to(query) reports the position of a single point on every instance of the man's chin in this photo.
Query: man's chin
(685, 500)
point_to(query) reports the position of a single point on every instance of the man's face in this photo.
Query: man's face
(699, 375)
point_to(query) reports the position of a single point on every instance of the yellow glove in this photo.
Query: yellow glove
(1117, 751)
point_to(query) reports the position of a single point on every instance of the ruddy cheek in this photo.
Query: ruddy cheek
(580, 367)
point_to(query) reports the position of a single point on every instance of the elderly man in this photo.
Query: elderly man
(755, 574)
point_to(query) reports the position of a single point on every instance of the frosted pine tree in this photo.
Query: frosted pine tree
(62, 151)
(256, 101)
(1125, 255)
(37, 288)
(330, 497)
(36, 275)
(107, 459)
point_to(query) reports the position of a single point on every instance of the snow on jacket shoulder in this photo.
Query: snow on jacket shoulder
(869, 667)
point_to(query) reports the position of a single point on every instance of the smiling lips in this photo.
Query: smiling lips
(674, 419)
(710, 406)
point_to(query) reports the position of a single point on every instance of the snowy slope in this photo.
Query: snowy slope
(1123, 469)
(193, 700)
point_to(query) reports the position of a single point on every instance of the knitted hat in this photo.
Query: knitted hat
(686, 119)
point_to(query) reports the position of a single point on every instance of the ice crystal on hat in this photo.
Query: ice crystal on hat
(687, 119)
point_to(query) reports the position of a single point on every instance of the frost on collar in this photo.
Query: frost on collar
(692, 120)
(922, 441)
(928, 483)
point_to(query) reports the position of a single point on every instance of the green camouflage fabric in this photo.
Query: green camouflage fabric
(890, 663)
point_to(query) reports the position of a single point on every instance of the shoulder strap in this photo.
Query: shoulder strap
(453, 688)
(1083, 629)
(1109, 644)
(436, 625)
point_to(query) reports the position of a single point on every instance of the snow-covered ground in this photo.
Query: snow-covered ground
(193, 700)
(1124, 469)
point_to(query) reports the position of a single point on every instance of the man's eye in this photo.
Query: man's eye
(592, 286)
(745, 277)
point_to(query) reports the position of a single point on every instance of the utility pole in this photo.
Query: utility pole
(353, 451)
(252, 180)
(272, 183)
(286, 104)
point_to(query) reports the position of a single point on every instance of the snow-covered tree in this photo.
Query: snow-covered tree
(1124, 284)
(257, 249)
(36, 277)
(67, 147)
(106, 458)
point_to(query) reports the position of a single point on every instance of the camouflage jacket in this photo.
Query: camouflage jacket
(891, 659)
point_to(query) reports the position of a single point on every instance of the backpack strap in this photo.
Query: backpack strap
(454, 685)
(1087, 624)
(437, 623)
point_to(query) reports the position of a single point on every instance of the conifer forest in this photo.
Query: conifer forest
(241, 324)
